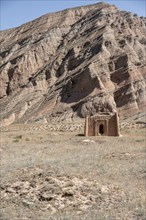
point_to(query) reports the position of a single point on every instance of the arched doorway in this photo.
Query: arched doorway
(101, 129)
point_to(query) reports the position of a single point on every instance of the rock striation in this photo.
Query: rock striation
(73, 63)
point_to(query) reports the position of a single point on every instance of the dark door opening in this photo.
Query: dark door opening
(101, 129)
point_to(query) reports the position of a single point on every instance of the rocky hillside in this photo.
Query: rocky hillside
(73, 63)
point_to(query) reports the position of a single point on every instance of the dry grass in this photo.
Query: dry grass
(118, 162)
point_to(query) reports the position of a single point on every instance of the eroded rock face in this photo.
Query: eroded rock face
(72, 63)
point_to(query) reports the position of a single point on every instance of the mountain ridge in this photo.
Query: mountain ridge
(89, 64)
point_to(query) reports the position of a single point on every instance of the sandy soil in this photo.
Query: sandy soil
(64, 175)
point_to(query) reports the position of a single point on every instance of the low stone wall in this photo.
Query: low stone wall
(45, 127)
(127, 125)
(68, 127)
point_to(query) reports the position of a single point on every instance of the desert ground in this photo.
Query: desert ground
(63, 175)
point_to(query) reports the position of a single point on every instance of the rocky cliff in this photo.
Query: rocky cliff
(73, 63)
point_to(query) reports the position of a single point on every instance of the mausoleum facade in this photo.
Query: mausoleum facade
(102, 125)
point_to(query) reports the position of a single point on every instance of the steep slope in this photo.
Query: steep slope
(74, 63)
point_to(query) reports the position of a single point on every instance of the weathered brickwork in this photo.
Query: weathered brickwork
(105, 125)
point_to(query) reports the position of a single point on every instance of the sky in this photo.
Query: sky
(14, 13)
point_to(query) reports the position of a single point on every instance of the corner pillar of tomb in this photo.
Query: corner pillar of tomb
(95, 128)
(86, 127)
(106, 124)
(117, 124)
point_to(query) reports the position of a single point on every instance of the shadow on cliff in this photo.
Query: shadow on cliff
(79, 87)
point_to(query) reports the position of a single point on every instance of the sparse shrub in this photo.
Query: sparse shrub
(16, 140)
(18, 137)
(141, 213)
(140, 140)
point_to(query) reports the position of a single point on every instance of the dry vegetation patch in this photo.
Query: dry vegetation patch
(64, 175)
(54, 192)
